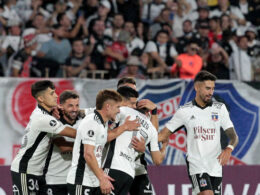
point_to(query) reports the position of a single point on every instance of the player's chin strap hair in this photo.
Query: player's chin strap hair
(233, 138)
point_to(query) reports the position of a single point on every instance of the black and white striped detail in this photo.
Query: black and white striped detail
(24, 184)
(78, 190)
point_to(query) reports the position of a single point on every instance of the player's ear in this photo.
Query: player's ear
(196, 86)
(40, 98)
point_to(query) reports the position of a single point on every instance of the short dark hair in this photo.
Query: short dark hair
(68, 94)
(127, 92)
(125, 80)
(204, 76)
(41, 86)
(107, 94)
(60, 17)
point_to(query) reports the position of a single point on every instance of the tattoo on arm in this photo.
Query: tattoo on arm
(232, 135)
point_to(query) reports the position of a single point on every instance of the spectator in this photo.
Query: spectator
(134, 41)
(240, 67)
(26, 64)
(42, 31)
(218, 62)
(215, 34)
(224, 8)
(12, 42)
(57, 49)
(161, 52)
(78, 62)
(89, 8)
(132, 69)
(118, 23)
(102, 14)
(97, 43)
(203, 15)
(226, 22)
(9, 14)
(188, 64)
(67, 31)
(188, 34)
(253, 43)
(117, 54)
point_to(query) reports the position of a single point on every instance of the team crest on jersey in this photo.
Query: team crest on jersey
(53, 123)
(214, 116)
(203, 182)
(91, 133)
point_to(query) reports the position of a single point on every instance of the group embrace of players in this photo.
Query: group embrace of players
(101, 150)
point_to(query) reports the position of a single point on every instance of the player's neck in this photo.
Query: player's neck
(103, 115)
(49, 109)
(200, 102)
(69, 121)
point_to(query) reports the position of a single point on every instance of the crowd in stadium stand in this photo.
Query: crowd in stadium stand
(138, 38)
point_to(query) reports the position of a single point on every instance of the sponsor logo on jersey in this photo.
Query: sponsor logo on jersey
(192, 117)
(91, 133)
(203, 182)
(53, 123)
(127, 157)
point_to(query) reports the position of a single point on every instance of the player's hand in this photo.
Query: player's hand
(131, 125)
(138, 144)
(106, 185)
(56, 112)
(145, 103)
(224, 156)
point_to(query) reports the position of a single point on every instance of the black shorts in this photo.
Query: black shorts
(60, 189)
(202, 182)
(74, 189)
(141, 186)
(26, 183)
(122, 182)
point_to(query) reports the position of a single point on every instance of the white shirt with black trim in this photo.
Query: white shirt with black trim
(36, 142)
(60, 162)
(203, 135)
(124, 155)
(92, 131)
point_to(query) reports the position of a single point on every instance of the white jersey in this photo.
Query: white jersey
(121, 156)
(203, 135)
(58, 163)
(36, 142)
(93, 131)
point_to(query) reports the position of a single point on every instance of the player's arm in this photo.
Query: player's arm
(105, 184)
(138, 144)
(233, 141)
(158, 156)
(63, 145)
(69, 132)
(164, 135)
(126, 126)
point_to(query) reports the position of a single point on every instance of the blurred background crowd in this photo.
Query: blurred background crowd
(138, 38)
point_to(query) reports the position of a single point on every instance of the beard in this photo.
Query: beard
(71, 115)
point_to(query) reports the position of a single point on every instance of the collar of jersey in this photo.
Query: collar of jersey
(39, 106)
(195, 104)
(100, 117)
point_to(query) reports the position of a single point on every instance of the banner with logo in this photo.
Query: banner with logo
(242, 101)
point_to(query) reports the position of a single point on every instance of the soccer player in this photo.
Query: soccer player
(86, 175)
(203, 119)
(60, 154)
(120, 160)
(27, 166)
(141, 184)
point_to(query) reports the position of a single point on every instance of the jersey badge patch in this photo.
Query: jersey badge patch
(214, 117)
(53, 123)
(203, 182)
(91, 133)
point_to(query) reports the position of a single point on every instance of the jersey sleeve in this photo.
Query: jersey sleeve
(225, 121)
(154, 141)
(176, 122)
(88, 130)
(47, 123)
